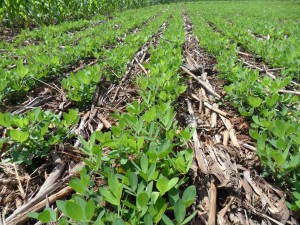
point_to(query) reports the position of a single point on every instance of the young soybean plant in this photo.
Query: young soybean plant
(32, 135)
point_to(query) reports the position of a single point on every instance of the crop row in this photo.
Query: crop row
(65, 31)
(43, 33)
(12, 52)
(44, 61)
(277, 21)
(278, 52)
(274, 116)
(113, 65)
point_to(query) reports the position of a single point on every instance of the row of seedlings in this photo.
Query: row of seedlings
(40, 62)
(274, 116)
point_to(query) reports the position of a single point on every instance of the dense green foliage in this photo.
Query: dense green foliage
(26, 12)
(48, 59)
(271, 34)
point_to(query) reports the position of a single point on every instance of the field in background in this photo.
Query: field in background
(28, 13)
(175, 114)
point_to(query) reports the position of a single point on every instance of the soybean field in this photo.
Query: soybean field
(150, 112)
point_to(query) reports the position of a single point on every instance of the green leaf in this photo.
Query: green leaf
(148, 219)
(179, 211)
(52, 214)
(108, 196)
(61, 205)
(190, 217)
(5, 120)
(185, 135)
(99, 222)
(254, 134)
(90, 209)
(162, 185)
(48, 215)
(278, 158)
(167, 220)
(271, 101)
(115, 187)
(261, 143)
(44, 217)
(189, 196)
(151, 173)
(129, 205)
(140, 143)
(160, 207)
(142, 199)
(34, 215)
(144, 163)
(154, 197)
(133, 181)
(76, 184)
(173, 195)
(172, 182)
(254, 101)
(74, 211)
(118, 221)
(99, 218)
(150, 115)
(19, 136)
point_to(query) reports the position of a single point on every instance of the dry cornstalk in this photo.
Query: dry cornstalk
(250, 147)
(22, 217)
(141, 66)
(217, 139)
(33, 201)
(106, 124)
(209, 106)
(214, 116)
(19, 182)
(231, 130)
(225, 137)
(222, 212)
(49, 190)
(80, 129)
(198, 151)
(211, 91)
(53, 177)
(100, 126)
(289, 92)
(212, 204)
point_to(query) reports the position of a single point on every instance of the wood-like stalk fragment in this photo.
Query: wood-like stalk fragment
(49, 190)
(200, 158)
(225, 137)
(204, 84)
(141, 66)
(289, 92)
(80, 129)
(214, 117)
(106, 124)
(231, 130)
(209, 106)
(22, 217)
(212, 204)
